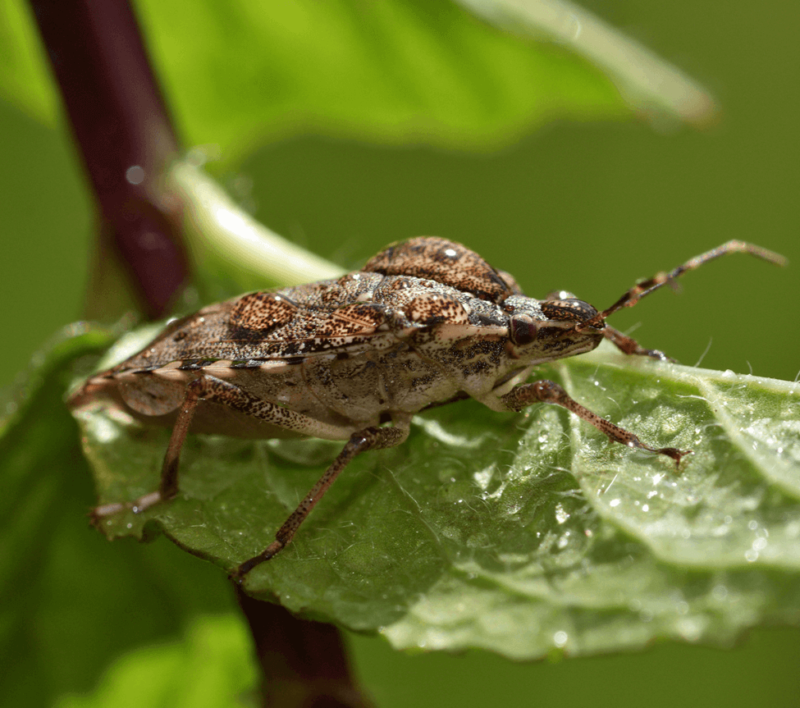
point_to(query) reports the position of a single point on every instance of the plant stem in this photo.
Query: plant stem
(124, 135)
(303, 663)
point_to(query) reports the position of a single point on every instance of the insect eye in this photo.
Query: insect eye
(523, 330)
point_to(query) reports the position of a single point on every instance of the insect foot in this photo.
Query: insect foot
(143, 503)
(425, 323)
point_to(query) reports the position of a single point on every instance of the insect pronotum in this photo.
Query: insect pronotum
(425, 322)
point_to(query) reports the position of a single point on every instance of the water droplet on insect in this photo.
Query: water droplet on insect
(561, 514)
(728, 374)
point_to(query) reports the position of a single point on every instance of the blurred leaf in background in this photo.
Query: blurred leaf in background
(586, 207)
(70, 604)
(400, 71)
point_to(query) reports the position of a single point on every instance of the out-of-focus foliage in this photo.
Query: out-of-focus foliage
(61, 587)
(399, 71)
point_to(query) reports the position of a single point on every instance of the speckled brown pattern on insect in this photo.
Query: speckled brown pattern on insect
(445, 262)
(426, 322)
(257, 314)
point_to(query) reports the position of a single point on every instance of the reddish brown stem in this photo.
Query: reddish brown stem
(124, 135)
(303, 663)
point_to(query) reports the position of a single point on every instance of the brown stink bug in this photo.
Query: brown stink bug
(425, 322)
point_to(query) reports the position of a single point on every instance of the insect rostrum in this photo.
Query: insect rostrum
(425, 322)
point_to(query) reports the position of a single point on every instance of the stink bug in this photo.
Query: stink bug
(424, 323)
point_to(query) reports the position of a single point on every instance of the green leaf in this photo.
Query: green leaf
(396, 70)
(240, 74)
(647, 83)
(24, 75)
(522, 534)
(53, 566)
(213, 667)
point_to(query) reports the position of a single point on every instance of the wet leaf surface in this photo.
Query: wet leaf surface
(522, 534)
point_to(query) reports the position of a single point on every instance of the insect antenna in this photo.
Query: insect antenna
(645, 287)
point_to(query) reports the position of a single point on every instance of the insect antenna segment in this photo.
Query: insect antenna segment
(645, 287)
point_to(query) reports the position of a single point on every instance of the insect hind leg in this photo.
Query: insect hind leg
(168, 487)
(212, 389)
(361, 441)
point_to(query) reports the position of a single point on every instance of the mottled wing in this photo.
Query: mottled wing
(445, 262)
(282, 327)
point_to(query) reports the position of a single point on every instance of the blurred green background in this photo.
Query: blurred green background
(586, 207)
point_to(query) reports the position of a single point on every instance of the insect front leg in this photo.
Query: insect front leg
(628, 345)
(546, 391)
(363, 440)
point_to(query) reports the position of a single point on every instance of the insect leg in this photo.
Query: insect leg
(549, 392)
(168, 487)
(367, 439)
(628, 345)
(210, 388)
